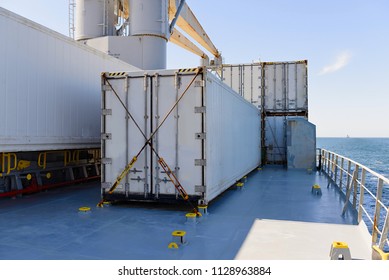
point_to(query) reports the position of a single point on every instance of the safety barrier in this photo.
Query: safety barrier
(366, 191)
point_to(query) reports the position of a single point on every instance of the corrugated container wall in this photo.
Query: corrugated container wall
(210, 140)
(49, 88)
(273, 86)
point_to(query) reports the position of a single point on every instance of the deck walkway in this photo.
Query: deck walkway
(49, 226)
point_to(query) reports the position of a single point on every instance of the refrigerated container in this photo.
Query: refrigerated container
(280, 90)
(210, 140)
(49, 88)
(272, 86)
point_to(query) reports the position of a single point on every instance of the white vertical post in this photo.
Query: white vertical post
(355, 185)
(377, 211)
(361, 195)
(341, 174)
(385, 231)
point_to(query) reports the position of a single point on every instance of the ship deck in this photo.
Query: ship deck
(274, 216)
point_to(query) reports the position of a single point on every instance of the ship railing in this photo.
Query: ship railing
(366, 191)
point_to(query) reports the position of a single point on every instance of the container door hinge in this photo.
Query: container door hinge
(200, 136)
(199, 83)
(106, 136)
(107, 112)
(200, 189)
(106, 160)
(200, 162)
(200, 110)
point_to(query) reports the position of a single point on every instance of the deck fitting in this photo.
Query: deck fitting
(203, 209)
(191, 217)
(84, 209)
(172, 245)
(239, 184)
(316, 190)
(340, 251)
(379, 254)
(179, 237)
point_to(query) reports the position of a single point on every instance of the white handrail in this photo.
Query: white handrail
(355, 173)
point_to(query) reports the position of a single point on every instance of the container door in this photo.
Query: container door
(178, 141)
(123, 138)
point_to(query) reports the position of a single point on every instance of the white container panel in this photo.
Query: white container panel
(286, 86)
(252, 83)
(232, 137)
(283, 84)
(211, 123)
(231, 76)
(301, 86)
(125, 138)
(175, 141)
(274, 88)
(245, 79)
(50, 88)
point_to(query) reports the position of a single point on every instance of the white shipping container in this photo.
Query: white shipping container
(210, 140)
(49, 88)
(283, 85)
(280, 90)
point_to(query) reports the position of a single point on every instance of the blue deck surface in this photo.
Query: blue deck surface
(49, 226)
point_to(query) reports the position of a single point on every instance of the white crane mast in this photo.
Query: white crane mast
(137, 31)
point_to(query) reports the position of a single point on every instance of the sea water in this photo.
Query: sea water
(371, 152)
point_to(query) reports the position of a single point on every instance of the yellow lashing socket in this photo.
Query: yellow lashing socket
(203, 209)
(340, 251)
(316, 190)
(179, 233)
(191, 215)
(48, 175)
(84, 209)
(172, 245)
(29, 177)
(240, 184)
(339, 245)
(179, 236)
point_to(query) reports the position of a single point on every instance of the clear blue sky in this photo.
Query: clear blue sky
(346, 43)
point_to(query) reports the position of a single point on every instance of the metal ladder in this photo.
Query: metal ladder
(72, 6)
